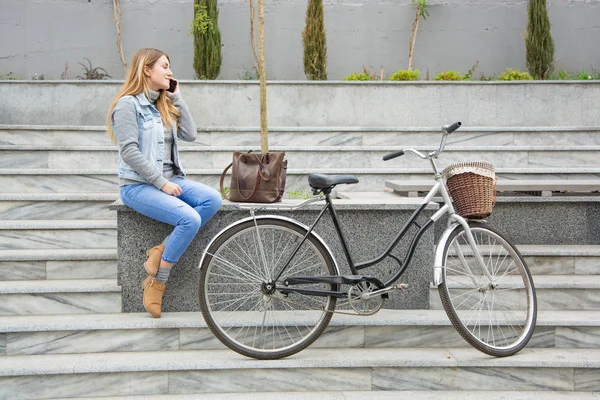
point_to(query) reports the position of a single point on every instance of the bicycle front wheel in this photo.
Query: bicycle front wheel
(494, 309)
(241, 301)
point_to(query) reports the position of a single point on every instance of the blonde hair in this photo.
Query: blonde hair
(135, 83)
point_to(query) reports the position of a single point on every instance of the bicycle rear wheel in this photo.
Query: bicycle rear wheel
(496, 314)
(240, 300)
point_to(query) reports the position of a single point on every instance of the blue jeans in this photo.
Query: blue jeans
(187, 213)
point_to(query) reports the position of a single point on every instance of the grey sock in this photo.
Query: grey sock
(163, 275)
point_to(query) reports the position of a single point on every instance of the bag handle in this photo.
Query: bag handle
(222, 180)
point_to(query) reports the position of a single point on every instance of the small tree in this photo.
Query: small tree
(117, 15)
(315, 42)
(421, 7)
(538, 42)
(262, 70)
(207, 39)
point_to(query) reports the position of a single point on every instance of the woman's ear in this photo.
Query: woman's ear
(146, 71)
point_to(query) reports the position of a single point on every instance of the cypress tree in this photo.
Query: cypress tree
(207, 39)
(538, 42)
(315, 42)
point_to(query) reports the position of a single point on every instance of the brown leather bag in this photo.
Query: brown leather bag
(256, 178)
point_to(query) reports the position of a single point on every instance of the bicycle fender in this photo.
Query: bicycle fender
(438, 264)
(293, 221)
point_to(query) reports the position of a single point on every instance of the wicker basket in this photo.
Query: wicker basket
(472, 186)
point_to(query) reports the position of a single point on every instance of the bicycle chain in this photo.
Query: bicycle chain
(327, 311)
(398, 287)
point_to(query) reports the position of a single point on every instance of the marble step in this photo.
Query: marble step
(59, 234)
(97, 333)
(561, 260)
(34, 206)
(218, 371)
(80, 296)
(554, 292)
(59, 264)
(95, 157)
(371, 179)
(85, 135)
(371, 395)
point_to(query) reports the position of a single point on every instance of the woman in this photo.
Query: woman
(146, 120)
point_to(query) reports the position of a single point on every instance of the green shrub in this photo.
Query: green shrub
(298, 195)
(539, 45)
(92, 73)
(358, 76)
(405, 75)
(487, 78)
(451, 75)
(582, 76)
(562, 75)
(470, 72)
(249, 75)
(207, 39)
(9, 77)
(315, 42)
(514, 75)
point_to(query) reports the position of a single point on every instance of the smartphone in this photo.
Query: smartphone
(172, 86)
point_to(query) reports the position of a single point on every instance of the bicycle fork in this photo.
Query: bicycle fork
(455, 220)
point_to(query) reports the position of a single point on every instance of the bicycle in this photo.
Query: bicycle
(269, 284)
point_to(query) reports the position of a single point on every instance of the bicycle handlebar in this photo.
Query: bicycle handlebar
(453, 127)
(446, 129)
(393, 155)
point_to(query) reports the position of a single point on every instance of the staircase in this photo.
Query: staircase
(62, 334)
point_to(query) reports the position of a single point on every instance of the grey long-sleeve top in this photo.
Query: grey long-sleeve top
(125, 127)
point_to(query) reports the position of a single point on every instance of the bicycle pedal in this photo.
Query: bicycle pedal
(401, 286)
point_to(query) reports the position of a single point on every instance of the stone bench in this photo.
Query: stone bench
(369, 225)
(545, 188)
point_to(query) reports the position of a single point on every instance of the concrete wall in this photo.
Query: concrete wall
(40, 36)
(329, 104)
(361, 223)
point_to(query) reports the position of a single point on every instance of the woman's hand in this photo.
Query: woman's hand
(171, 188)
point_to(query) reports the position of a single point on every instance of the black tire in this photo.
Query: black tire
(508, 304)
(242, 312)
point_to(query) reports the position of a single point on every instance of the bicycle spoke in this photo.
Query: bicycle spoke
(238, 269)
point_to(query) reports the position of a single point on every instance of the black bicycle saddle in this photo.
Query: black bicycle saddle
(320, 181)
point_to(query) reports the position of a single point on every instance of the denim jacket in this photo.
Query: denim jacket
(150, 138)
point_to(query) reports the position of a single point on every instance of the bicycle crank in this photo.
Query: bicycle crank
(369, 295)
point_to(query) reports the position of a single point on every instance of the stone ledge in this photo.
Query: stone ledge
(371, 395)
(195, 360)
(274, 129)
(7, 196)
(60, 286)
(339, 204)
(197, 148)
(361, 222)
(187, 320)
(58, 254)
(554, 282)
(57, 224)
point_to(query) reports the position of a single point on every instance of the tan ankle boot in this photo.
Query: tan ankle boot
(153, 261)
(153, 294)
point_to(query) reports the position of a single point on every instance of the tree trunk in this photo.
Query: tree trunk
(117, 15)
(413, 39)
(264, 139)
